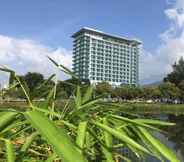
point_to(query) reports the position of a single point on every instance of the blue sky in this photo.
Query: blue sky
(53, 21)
(38, 27)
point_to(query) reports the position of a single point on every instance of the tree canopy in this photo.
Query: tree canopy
(177, 75)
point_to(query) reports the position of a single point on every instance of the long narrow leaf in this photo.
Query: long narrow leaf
(134, 121)
(165, 151)
(46, 81)
(48, 100)
(25, 89)
(10, 154)
(28, 141)
(58, 138)
(78, 98)
(108, 154)
(62, 68)
(6, 118)
(148, 144)
(155, 122)
(6, 69)
(81, 134)
(122, 137)
(87, 96)
(108, 142)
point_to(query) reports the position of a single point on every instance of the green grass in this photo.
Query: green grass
(142, 108)
(155, 108)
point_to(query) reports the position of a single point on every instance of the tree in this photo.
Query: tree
(33, 79)
(181, 88)
(117, 93)
(68, 86)
(169, 91)
(156, 94)
(152, 92)
(103, 88)
(127, 92)
(36, 85)
(136, 92)
(177, 75)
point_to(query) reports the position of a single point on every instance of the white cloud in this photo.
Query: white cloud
(154, 66)
(26, 55)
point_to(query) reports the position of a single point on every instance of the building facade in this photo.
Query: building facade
(99, 57)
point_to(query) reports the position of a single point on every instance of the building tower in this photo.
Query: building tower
(99, 57)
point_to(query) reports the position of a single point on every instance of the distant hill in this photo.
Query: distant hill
(152, 84)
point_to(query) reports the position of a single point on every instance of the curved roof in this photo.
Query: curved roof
(90, 30)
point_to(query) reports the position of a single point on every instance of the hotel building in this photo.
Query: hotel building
(99, 56)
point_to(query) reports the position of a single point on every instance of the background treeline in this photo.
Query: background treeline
(165, 92)
(170, 90)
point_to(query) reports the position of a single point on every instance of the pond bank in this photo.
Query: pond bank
(150, 108)
(153, 108)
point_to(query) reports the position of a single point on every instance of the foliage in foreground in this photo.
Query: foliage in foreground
(89, 131)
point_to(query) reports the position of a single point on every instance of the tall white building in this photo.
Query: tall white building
(99, 56)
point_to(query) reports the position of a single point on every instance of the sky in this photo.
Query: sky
(31, 30)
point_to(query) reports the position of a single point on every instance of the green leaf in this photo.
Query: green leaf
(124, 158)
(6, 69)
(49, 99)
(155, 122)
(134, 121)
(108, 154)
(109, 143)
(147, 144)
(128, 132)
(81, 134)
(78, 98)
(28, 141)
(46, 81)
(15, 124)
(88, 94)
(90, 103)
(6, 118)
(10, 155)
(107, 136)
(51, 158)
(66, 123)
(58, 138)
(165, 151)
(54, 62)
(48, 112)
(125, 139)
(63, 68)
(25, 89)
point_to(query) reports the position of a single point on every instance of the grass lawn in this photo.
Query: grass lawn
(153, 108)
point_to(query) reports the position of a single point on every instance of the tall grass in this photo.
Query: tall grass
(86, 132)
